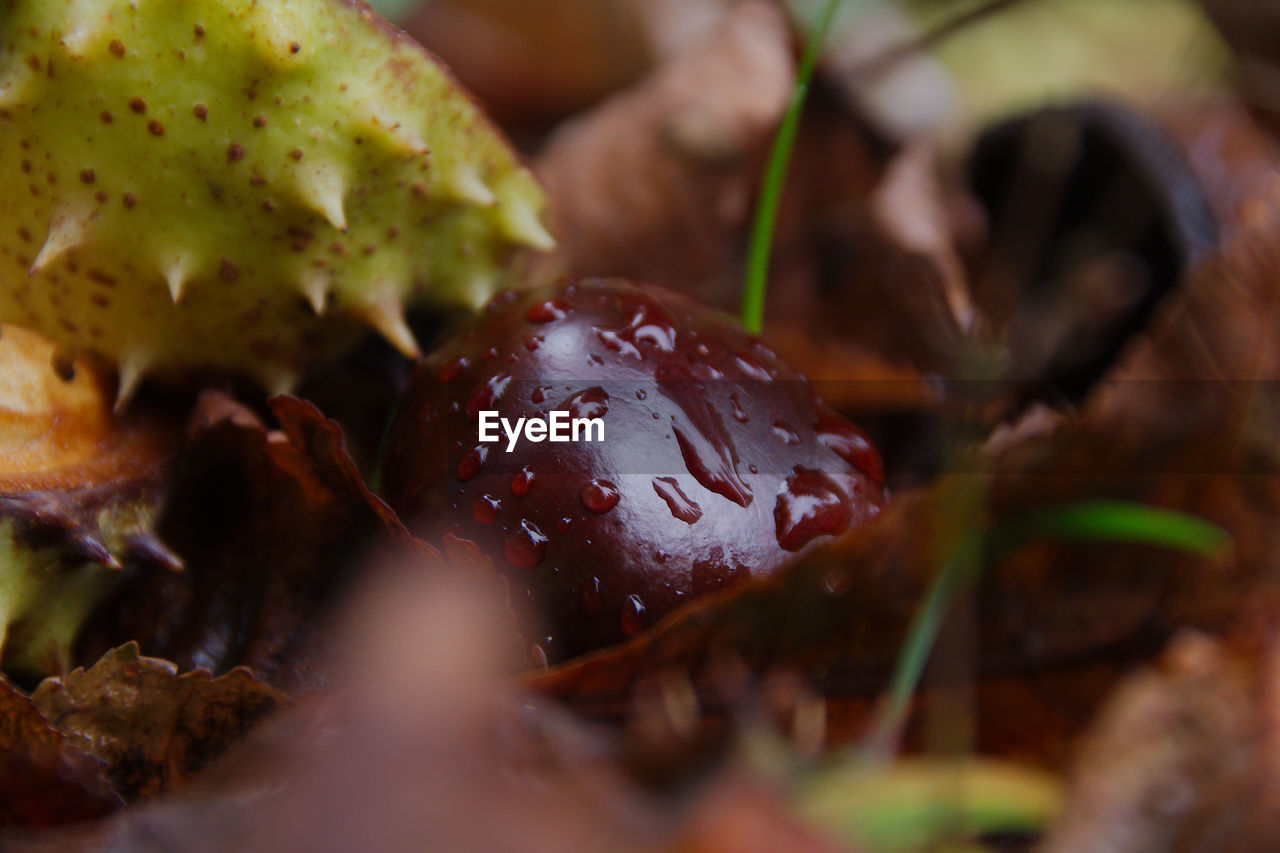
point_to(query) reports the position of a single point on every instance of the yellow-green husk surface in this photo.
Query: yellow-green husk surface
(240, 185)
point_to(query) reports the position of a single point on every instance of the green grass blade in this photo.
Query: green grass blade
(1117, 521)
(921, 635)
(1082, 521)
(775, 176)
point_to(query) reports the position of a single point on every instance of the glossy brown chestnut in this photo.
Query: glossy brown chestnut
(717, 462)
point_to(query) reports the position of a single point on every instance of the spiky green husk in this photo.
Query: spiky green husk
(79, 494)
(189, 183)
(61, 551)
(44, 600)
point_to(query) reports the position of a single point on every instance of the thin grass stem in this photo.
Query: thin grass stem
(775, 175)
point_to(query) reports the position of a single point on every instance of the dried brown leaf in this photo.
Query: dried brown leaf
(889, 278)
(1179, 759)
(271, 525)
(44, 779)
(656, 183)
(153, 728)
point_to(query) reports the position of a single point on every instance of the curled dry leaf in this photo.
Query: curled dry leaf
(872, 303)
(79, 490)
(656, 184)
(152, 728)
(44, 779)
(1074, 266)
(274, 527)
(890, 271)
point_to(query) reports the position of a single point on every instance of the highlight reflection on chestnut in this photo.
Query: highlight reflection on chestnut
(717, 461)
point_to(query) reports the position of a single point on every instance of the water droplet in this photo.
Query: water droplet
(712, 464)
(485, 509)
(785, 433)
(650, 323)
(634, 617)
(753, 469)
(590, 597)
(736, 408)
(484, 397)
(809, 505)
(539, 394)
(522, 482)
(537, 657)
(549, 311)
(489, 354)
(471, 463)
(531, 342)
(595, 360)
(591, 403)
(642, 394)
(657, 335)
(707, 448)
(847, 441)
(615, 341)
(453, 368)
(600, 496)
(563, 524)
(661, 557)
(751, 368)
(525, 546)
(682, 508)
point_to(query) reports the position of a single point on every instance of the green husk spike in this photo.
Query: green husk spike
(240, 185)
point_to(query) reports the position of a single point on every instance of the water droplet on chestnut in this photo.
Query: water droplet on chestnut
(471, 463)
(522, 482)
(485, 508)
(634, 616)
(810, 505)
(525, 546)
(600, 496)
(548, 311)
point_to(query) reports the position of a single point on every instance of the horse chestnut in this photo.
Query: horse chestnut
(717, 462)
